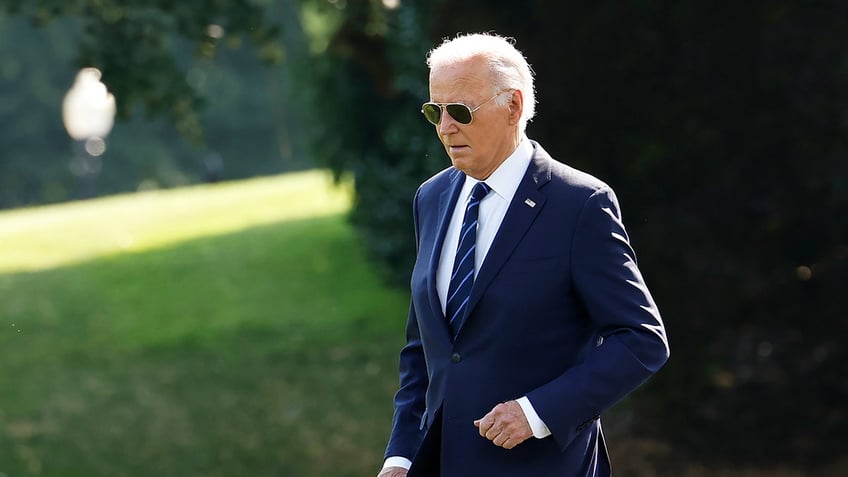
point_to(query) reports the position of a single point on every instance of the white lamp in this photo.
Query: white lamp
(88, 111)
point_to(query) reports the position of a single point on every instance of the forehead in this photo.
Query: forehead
(463, 81)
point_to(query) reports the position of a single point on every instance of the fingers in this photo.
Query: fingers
(505, 425)
(495, 431)
(500, 439)
(512, 442)
(509, 442)
(393, 472)
(485, 424)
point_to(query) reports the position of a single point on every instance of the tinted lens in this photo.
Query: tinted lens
(432, 112)
(459, 112)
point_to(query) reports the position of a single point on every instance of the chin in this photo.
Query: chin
(460, 164)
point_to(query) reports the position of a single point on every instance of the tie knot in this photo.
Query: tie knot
(479, 191)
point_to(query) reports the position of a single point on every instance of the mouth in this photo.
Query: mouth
(457, 148)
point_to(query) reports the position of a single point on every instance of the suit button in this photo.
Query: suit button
(456, 357)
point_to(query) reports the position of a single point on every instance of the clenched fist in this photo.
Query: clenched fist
(505, 425)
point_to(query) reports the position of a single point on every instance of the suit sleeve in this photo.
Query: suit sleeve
(409, 400)
(632, 343)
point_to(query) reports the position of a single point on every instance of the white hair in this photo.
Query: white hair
(508, 66)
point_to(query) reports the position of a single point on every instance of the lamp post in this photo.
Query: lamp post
(88, 112)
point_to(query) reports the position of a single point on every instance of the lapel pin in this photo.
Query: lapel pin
(530, 203)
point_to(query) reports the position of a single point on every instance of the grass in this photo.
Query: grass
(238, 331)
(46, 237)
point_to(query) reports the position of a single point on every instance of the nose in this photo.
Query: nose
(447, 124)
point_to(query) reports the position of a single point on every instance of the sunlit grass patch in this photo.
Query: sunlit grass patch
(44, 237)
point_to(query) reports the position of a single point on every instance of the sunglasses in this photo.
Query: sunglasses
(461, 113)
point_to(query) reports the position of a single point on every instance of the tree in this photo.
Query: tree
(365, 89)
(132, 43)
(163, 62)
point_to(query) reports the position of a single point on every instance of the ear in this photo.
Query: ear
(516, 106)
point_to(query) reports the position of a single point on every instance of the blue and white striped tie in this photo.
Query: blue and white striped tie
(462, 279)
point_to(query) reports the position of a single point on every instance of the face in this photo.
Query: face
(478, 148)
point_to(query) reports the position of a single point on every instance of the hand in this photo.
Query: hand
(505, 425)
(392, 472)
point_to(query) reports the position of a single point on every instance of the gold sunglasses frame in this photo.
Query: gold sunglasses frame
(443, 109)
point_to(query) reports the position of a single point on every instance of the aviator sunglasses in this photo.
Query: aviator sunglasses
(461, 113)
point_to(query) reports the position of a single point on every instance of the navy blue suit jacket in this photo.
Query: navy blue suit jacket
(559, 312)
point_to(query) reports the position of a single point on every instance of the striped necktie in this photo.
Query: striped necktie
(462, 278)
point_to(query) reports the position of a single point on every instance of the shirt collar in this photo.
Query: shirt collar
(504, 181)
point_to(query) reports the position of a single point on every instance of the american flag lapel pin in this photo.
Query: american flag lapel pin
(530, 202)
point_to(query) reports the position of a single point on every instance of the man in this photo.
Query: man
(529, 316)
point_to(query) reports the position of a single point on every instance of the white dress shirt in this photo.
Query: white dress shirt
(504, 182)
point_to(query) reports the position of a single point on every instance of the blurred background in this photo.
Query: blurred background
(212, 281)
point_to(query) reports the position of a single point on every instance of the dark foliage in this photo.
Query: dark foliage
(131, 42)
(367, 89)
(202, 91)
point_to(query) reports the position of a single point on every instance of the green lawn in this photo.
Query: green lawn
(224, 330)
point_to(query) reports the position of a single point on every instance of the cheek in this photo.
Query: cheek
(483, 141)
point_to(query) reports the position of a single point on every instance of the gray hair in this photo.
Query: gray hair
(509, 68)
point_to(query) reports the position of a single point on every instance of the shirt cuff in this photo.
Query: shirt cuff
(540, 430)
(395, 461)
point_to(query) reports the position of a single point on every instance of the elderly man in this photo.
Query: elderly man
(529, 316)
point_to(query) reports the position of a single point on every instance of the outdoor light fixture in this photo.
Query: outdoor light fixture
(88, 112)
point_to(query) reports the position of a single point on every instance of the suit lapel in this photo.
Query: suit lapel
(519, 216)
(447, 202)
